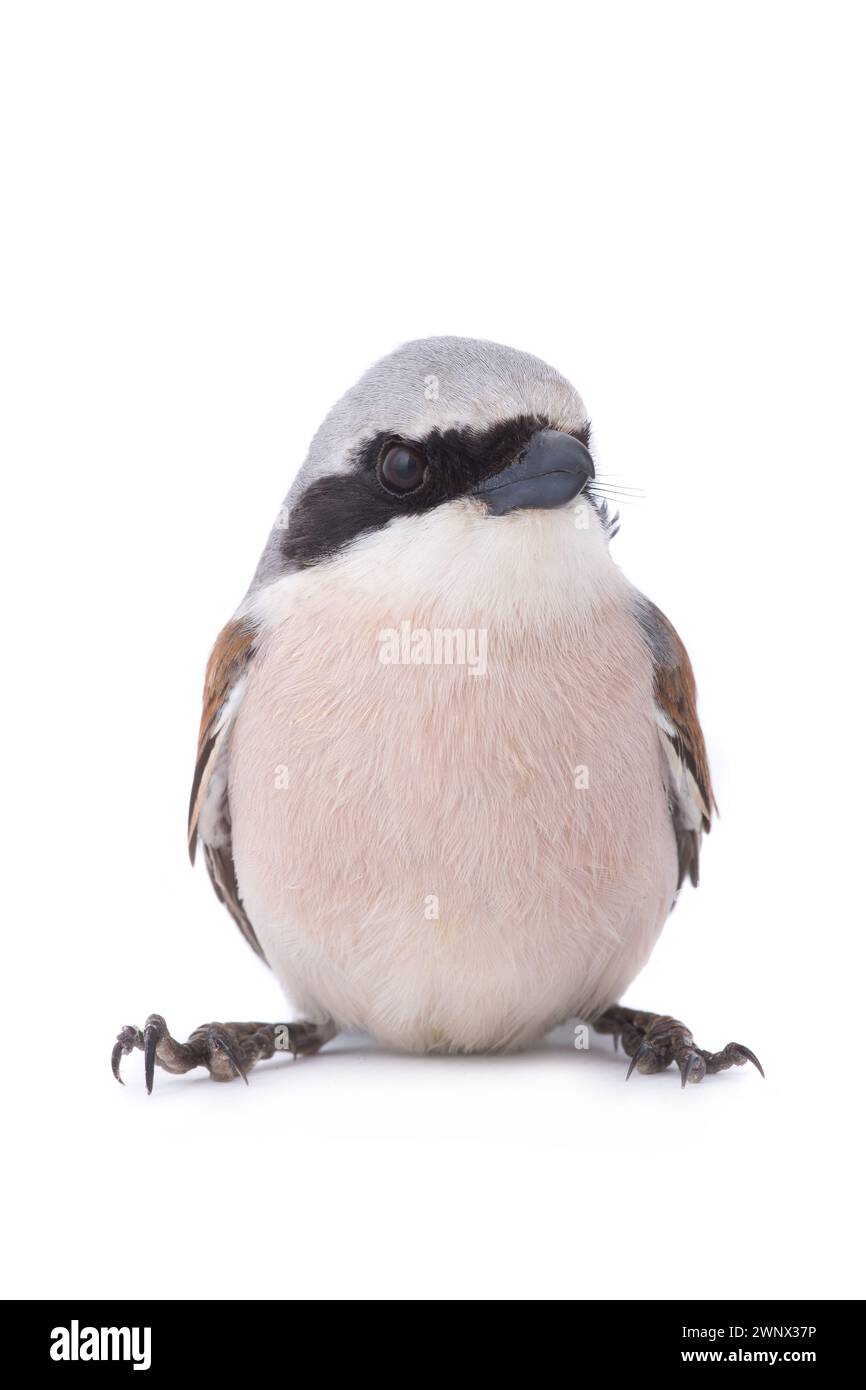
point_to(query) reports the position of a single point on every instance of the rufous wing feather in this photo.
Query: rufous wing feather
(690, 788)
(209, 813)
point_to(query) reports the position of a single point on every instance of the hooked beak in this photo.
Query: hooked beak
(552, 469)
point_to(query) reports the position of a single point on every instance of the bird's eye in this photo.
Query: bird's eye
(402, 469)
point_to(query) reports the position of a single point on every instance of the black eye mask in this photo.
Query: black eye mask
(460, 463)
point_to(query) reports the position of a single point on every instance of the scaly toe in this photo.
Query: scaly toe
(220, 1049)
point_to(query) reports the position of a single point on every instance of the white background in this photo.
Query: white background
(215, 216)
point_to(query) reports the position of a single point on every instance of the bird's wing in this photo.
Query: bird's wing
(209, 815)
(689, 790)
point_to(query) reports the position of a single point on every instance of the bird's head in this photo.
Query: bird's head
(443, 433)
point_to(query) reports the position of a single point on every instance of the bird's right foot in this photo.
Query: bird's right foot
(226, 1049)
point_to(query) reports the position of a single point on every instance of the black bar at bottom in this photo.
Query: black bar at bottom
(252, 1339)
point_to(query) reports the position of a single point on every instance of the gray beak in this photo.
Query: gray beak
(552, 469)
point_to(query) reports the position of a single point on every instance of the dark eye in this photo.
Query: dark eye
(402, 469)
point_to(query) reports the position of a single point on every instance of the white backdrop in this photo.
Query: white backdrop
(215, 216)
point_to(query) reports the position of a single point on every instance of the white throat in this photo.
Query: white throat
(525, 568)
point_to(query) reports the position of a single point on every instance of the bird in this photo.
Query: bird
(450, 776)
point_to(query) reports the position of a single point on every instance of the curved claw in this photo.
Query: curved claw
(126, 1041)
(150, 1041)
(749, 1056)
(694, 1070)
(155, 1030)
(222, 1042)
(643, 1051)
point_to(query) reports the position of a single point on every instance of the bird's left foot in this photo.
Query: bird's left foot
(653, 1041)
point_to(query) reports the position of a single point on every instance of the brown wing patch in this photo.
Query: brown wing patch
(227, 664)
(692, 800)
(231, 652)
(677, 696)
